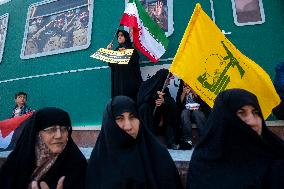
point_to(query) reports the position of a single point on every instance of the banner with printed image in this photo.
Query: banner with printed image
(3, 32)
(54, 27)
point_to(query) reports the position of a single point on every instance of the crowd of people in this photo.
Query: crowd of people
(237, 151)
(235, 148)
(60, 31)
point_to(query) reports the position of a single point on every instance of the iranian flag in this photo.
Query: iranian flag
(148, 37)
(8, 126)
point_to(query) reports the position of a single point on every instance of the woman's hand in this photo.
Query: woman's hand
(109, 47)
(186, 90)
(43, 185)
(158, 9)
(161, 99)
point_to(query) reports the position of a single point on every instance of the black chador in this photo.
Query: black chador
(126, 78)
(19, 169)
(121, 161)
(233, 155)
(166, 113)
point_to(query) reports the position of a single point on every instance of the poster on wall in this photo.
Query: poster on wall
(161, 11)
(3, 32)
(54, 27)
(248, 12)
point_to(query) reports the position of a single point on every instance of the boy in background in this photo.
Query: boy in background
(21, 107)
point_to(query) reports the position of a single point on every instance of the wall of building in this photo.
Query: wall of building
(84, 92)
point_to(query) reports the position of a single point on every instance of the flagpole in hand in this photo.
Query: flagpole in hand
(164, 87)
(114, 36)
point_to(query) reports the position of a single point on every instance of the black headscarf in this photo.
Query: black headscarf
(148, 89)
(20, 164)
(231, 154)
(126, 78)
(122, 162)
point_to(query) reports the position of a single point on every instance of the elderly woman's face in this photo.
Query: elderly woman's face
(129, 123)
(55, 138)
(250, 116)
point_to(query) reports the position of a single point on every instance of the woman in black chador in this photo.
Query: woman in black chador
(238, 151)
(45, 154)
(165, 116)
(126, 155)
(125, 78)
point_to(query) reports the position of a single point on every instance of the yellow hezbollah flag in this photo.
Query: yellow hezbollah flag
(210, 63)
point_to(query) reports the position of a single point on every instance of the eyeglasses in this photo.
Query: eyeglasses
(53, 130)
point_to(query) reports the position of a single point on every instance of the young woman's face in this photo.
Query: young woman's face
(251, 117)
(120, 38)
(129, 123)
(55, 138)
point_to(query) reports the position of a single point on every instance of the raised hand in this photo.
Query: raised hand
(158, 8)
(109, 47)
(43, 185)
(161, 99)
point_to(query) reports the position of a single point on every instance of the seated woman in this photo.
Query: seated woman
(158, 109)
(238, 151)
(192, 109)
(126, 155)
(45, 155)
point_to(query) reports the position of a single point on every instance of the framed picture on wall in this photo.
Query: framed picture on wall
(54, 27)
(4, 1)
(3, 32)
(248, 12)
(161, 12)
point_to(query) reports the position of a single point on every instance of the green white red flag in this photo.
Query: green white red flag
(148, 37)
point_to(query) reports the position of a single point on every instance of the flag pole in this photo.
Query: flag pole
(114, 36)
(164, 87)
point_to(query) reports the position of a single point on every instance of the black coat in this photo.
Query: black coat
(122, 162)
(231, 154)
(20, 164)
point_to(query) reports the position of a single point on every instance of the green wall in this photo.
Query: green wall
(84, 94)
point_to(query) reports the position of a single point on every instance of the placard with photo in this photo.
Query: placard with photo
(248, 12)
(161, 11)
(54, 27)
(3, 32)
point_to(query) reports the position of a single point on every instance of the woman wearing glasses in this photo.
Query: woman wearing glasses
(45, 155)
